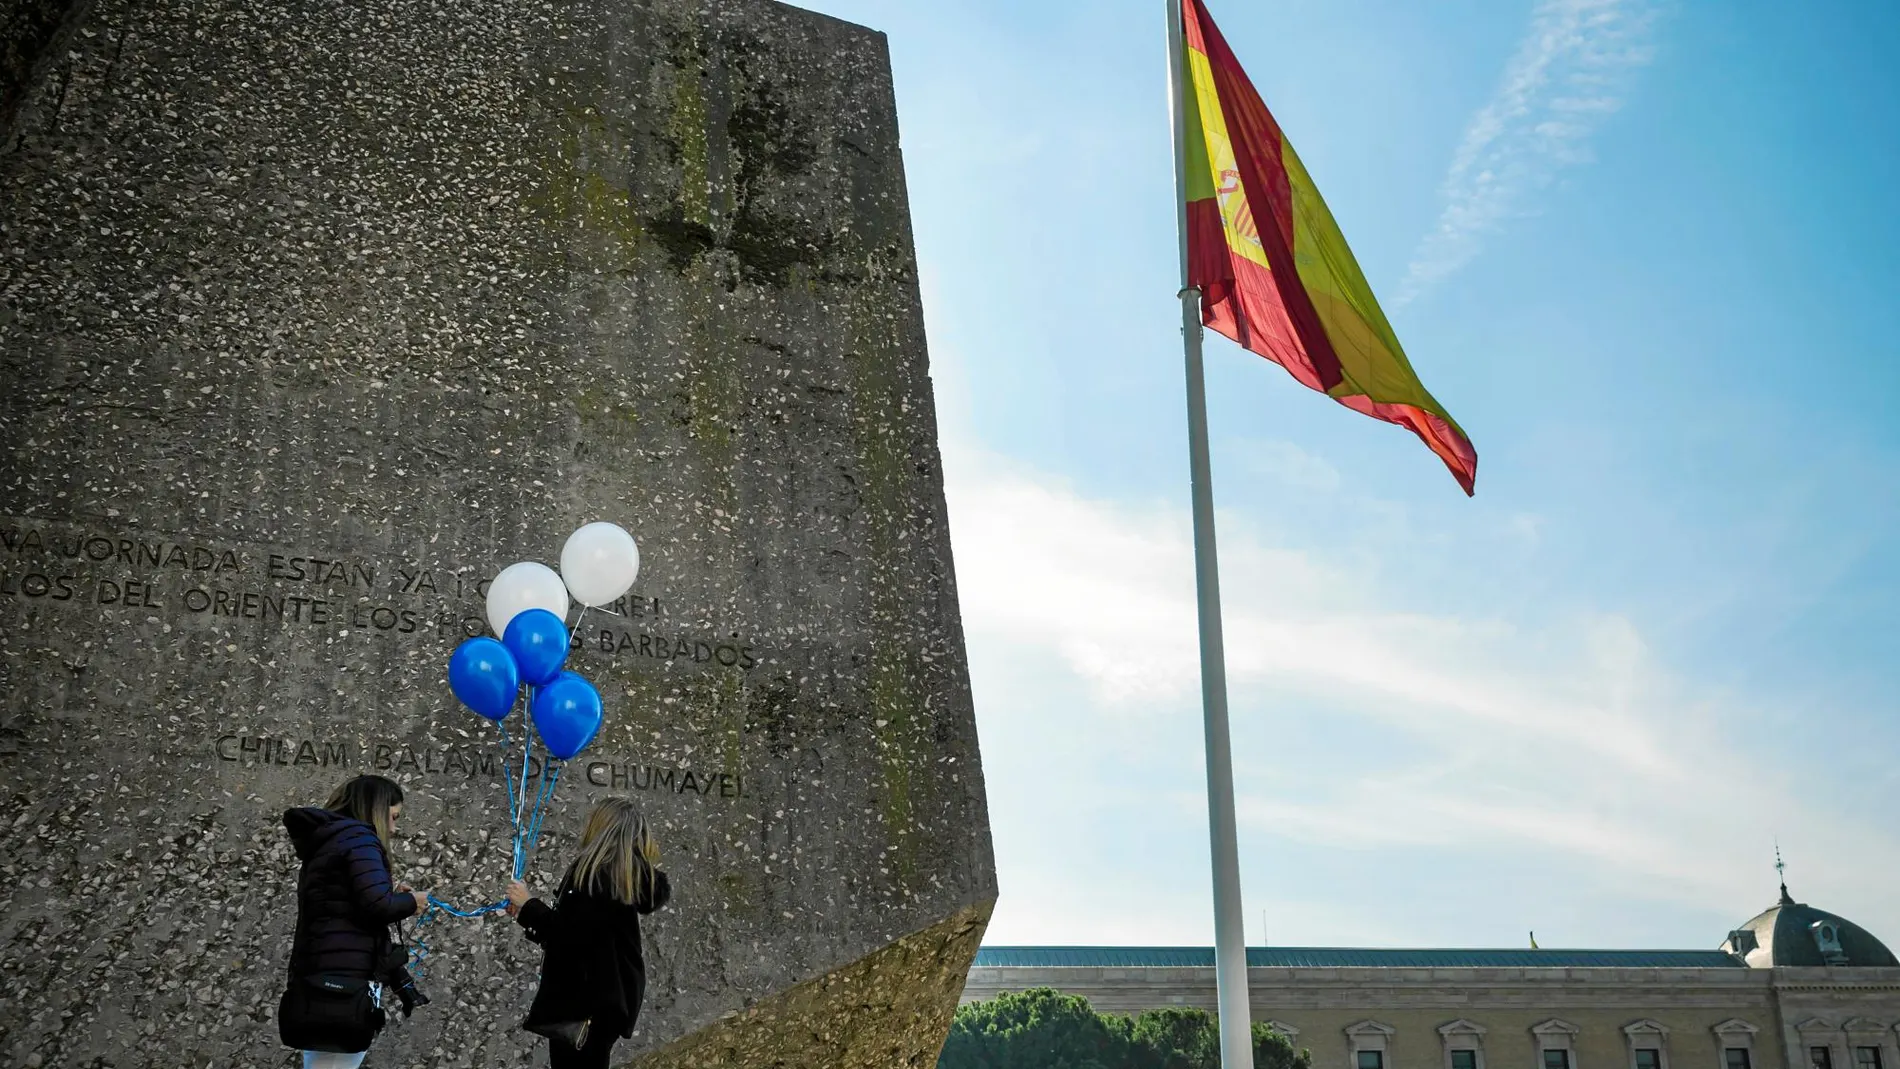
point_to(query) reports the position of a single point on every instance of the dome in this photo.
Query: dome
(1794, 933)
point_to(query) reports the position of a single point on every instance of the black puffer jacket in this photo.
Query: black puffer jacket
(345, 900)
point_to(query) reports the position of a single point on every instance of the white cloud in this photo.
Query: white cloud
(1288, 463)
(1555, 736)
(1568, 75)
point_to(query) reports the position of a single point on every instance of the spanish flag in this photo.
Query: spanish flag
(1273, 269)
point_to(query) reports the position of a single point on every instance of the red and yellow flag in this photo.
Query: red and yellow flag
(1273, 269)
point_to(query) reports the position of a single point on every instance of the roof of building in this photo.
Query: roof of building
(1795, 933)
(1343, 957)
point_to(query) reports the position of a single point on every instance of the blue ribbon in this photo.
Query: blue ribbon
(509, 784)
(436, 903)
(527, 835)
(530, 837)
(507, 772)
(514, 814)
(419, 949)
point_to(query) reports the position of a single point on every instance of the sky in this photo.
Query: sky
(1645, 252)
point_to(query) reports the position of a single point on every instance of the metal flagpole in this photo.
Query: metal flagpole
(1230, 946)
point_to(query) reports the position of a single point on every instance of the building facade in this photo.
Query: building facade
(1794, 988)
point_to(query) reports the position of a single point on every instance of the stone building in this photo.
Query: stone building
(1794, 988)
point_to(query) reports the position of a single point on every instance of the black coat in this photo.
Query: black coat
(592, 967)
(345, 900)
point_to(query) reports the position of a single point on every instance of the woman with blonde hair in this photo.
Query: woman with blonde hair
(593, 974)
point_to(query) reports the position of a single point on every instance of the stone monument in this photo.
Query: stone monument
(312, 317)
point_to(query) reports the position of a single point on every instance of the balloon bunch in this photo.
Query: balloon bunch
(527, 608)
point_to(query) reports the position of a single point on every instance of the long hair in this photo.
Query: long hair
(368, 799)
(617, 854)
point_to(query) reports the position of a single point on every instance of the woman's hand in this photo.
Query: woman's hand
(421, 897)
(518, 895)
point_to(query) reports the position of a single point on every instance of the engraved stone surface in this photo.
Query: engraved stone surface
(312, 316)
(32, 34)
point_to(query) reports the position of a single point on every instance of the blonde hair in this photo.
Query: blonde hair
(617, 854)
(368, 799)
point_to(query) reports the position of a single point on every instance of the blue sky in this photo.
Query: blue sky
(1645, 252)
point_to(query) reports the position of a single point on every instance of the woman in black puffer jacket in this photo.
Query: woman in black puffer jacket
(345, 905)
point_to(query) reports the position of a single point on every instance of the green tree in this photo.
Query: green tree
(1271, 1050)
(1045, 1029)
(1036, 1029)
(1174, 1038)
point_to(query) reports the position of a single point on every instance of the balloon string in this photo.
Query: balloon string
(524, 839)
(419, 949)
(521, 789)
(529, 837)
(542, 797)
(437, 904)
(508, 774)
(585, 609)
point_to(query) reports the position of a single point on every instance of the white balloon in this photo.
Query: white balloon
(522, 586)
(600, 563)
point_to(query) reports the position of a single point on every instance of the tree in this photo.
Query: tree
(1045, 1029)
(1036, 1029)
(1271, 1050)
(1174, 1039)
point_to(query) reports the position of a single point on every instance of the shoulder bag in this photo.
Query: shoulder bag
(572, 1033)
(330, 1012)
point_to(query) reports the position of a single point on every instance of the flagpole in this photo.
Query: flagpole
(1230, 946)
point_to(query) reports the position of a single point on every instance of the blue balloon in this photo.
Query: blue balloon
(538, 640)
(567, 715)
(483, 675)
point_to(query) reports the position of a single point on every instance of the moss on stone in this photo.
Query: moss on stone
(881, 438)
(574, 193)
(687, 128)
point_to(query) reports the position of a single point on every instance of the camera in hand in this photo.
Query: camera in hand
(396, 977)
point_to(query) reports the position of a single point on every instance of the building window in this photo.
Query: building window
(1556, 1044)
(1648, 1044)
(1735, 1040)
(1821, 1058)
(1463, 1044)
(1866, 1058)
(1366, 1042)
